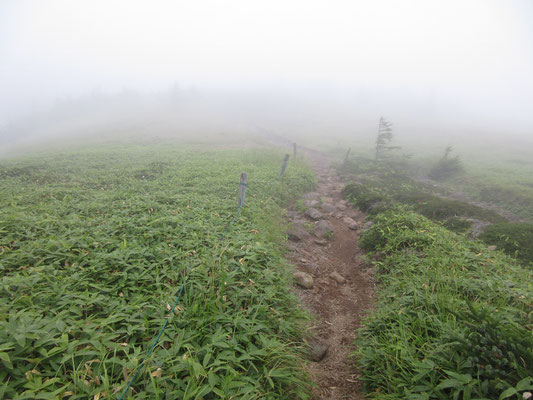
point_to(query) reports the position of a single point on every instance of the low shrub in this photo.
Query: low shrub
(366, 197)
(446, 168)
(457, 224)
(514, 238)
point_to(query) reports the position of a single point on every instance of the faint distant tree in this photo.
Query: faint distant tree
(447, 166)
(384, 138)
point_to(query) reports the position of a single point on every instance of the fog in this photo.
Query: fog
(442, 71)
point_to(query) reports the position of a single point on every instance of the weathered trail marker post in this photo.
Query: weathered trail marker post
(347, 155)
(283, 166)
(294, 149)
(242, 187)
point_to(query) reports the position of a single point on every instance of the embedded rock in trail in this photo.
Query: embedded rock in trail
(311, 203)
(350, 223)
(314, 214)
(297, 233)
(341, 207)
(352, 214)
(329, 208)
(318, 351)
(303, 279)
(292, 214)
(323, 229)
(337, 277)
(328, 200)
(321, 242)
(311, 268)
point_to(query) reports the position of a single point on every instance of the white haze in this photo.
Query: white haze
(330, 68)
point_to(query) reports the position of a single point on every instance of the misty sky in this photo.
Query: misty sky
(476, 55)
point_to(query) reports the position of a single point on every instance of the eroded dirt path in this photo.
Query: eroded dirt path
(342, 288)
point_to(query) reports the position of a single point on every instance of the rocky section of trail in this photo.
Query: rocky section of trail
(332, 281)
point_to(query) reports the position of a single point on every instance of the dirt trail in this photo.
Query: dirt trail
(337, 307)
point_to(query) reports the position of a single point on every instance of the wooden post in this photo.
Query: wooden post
(283, 166)
(346, 156)
(242, 188)
(294, 149)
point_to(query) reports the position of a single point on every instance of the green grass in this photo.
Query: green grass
(514, 238)
(496, 170)
(94, 246)
(453, 320)
(380, 186)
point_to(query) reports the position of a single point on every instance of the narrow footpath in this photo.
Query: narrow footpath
(332, 280)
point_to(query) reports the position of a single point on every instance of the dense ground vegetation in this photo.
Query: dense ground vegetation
(378, 186)
(94, 247)
(454, 319)
(514, 238)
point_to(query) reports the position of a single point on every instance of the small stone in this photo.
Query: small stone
(341, 206)
(337, 277)
(323, 229)
(492, 247)
(350, 223)
(321, 242)
(329, 208)
(303, 279)
(292, 247)
(292, 214)
(314, 214)
(338, 215)
(310, 268)
(352, 213)
(297, 233)
(311, 203)
(318, 351)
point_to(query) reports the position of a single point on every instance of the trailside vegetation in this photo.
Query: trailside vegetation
(94, 247)
(453, 320)
(514, 238)
(447, 167)
(378, 186)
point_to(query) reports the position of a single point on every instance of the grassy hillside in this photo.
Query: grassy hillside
(453, 320)
(94, 247)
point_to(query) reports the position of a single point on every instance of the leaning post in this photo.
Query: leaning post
(283, 166)
(242, 188)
